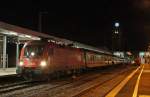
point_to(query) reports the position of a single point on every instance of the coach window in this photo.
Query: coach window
(103, 57)
(87, 56)
(95, 58)
(91, 58)
(98, 57)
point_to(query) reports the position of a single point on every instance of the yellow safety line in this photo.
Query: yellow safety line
(144, 95)
(135, 93)
(116, 90)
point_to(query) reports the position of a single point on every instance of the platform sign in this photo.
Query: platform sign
(141, 54)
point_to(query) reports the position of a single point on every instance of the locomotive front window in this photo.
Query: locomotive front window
(33, 50)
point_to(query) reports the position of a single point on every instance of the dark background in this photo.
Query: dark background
(86, 22)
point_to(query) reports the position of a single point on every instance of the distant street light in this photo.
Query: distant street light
(116, 37)
(117, 24)
(40, 20)
(116, 27)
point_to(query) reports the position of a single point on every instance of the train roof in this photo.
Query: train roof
(77, 45)
(82, 46)
(90, 48)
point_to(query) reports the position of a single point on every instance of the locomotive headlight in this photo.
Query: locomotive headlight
(21, 63)
(32, 53)
(43, 63)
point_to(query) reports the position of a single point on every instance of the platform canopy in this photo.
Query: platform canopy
(21, 33)
(26, 34)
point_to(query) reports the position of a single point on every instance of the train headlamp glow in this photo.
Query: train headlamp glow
(21, 63)
(32, 53)
(43, 63)
(133, 62)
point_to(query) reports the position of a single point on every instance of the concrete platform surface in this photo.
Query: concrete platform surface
(7, 71)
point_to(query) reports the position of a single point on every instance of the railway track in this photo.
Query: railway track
(61, 90)
(26, 84)
(71, 89)
(57, 87)
(16, 86)
(67, 84)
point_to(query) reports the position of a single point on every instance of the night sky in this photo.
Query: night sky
(86, 22)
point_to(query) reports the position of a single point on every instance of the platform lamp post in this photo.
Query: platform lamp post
(40, 20)
(115, 36)
(116, 27)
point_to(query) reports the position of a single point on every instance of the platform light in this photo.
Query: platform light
(21, 35)
(13, 33)
(28, 36)
(35, 38)
(53, 41)
(10, 33)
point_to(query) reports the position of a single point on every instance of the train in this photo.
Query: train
(46, 58)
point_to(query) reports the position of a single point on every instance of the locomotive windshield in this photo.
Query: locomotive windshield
(33, 50)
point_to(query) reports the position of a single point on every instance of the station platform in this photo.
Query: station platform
(7, 71)
(136, 84)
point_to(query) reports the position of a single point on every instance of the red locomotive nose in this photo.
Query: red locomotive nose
(31, 62)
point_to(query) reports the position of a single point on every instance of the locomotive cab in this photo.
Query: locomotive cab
(33, 59)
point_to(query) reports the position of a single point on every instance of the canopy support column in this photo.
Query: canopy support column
(4, 51)
(17, 52)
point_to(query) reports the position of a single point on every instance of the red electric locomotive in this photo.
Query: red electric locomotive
(43, 58)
